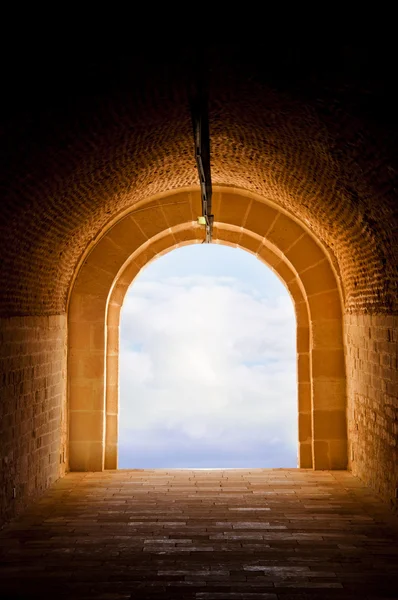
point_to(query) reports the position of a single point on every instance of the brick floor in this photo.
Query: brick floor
(270, 534)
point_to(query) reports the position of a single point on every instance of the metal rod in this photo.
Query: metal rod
(200, 121)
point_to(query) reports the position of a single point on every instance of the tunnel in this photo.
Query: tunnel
(99, 179)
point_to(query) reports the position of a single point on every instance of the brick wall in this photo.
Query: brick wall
(315, 150)
(371, 354)
(32, 408)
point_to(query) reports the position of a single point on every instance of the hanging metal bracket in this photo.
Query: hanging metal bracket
(200, 121)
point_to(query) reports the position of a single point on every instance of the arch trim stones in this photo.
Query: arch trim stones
(160, 225)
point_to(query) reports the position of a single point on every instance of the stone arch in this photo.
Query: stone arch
(160, 224)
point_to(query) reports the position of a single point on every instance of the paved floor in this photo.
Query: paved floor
(270, 534)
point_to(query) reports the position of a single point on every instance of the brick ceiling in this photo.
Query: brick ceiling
(83, 139)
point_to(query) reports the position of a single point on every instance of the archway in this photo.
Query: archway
(207, 364)
(242, 219)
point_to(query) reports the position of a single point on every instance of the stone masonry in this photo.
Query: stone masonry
(271, 534)
(32, 409)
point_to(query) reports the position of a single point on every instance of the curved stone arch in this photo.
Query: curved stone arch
(159, 226)
(222, 235)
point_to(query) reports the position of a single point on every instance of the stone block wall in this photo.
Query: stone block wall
(372, 410)
(32, 408)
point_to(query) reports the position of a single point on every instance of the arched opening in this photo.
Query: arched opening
(309, 132)
(158, 225)
(207, 364)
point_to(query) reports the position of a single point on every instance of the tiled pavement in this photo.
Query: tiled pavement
(270, 534)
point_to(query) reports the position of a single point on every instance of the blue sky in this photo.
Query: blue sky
(207, 364)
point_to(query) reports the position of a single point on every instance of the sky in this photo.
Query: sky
(207, 364)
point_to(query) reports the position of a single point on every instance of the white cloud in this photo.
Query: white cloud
(206, 363)
(136, 368)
